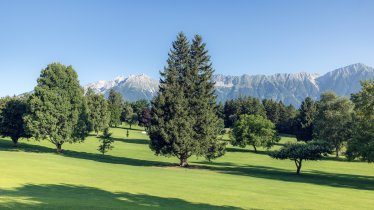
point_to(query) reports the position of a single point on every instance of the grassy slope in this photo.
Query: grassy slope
(131, 177)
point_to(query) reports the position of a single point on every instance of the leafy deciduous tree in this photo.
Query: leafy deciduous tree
(361, 145)
(98, 115)
(11, 118)
(58, 111)
(333, 121)
(301, 151)
(254, 130)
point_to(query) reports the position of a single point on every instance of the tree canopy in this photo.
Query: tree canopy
(333, 121)
(301, 151)
(98, 115)
(11, 118)
(58, 111)
(361, 145)
(254, 130)
(115, 102)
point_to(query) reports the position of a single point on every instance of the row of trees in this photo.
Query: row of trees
(58, 110)
(281, 115)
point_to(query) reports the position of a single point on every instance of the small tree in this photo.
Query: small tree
(301, 151)
(105, 142)
(254, 130)
(11, 118)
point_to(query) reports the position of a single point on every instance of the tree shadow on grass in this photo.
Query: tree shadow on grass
(24, 147)
(64, 196)
(132, 141)
(244, 150)
(360, 182)
(309, 177)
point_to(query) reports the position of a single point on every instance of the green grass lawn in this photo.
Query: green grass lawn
(132, 177)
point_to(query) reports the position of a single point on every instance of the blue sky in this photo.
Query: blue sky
(103, 39)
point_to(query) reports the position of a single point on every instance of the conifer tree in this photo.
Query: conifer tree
(115, 102)
(305, 120)
(171, 126)
(203, 102)
(57, 107)
(98, 115)
(184, 120)
(106, 142)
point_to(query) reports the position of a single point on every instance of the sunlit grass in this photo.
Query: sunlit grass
(132, 177)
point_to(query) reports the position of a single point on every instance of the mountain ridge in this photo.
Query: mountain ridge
(291, 88)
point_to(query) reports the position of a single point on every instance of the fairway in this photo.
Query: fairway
(131, 177)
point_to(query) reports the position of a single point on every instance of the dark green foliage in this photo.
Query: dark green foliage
(203, 102)
(98, 115)
(333, 121)
(244, 105)
(287, 118)
(57, 107)
(139, 105)
(301, 151)
(305, 120)
(361, 145)
(12, 111)
(272, 110)
(184, 120)
(127, 111)
(254, 130)
(132, 120)
(106, 142)
(145, 118)
(115, 108)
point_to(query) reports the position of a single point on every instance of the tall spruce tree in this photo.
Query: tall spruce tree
(203, 102)
(171, 126)
(57, 107)
(98, 115)
(305, 120)
(115, 102)
(179, 127)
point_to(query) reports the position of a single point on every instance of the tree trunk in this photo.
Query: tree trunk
(58, 147)
(298, 166)
(15, 142)
(130, 125)
(254, 147)
(183, 161)
(337, 152)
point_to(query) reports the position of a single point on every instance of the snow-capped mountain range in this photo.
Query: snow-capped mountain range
(291, 88)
